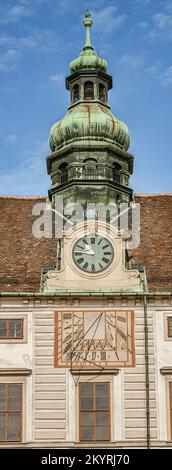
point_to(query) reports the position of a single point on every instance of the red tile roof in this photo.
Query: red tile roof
(22, 256)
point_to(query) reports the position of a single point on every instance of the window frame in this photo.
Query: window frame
(6, 412)
(8, 337)
(169, 319)
(95, 411)
(86, 88)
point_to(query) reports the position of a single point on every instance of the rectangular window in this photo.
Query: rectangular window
(94, 411)
(10, 412)
(170, 395)
(169, 320)
(11, 328)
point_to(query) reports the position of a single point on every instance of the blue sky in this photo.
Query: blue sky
(38, 39)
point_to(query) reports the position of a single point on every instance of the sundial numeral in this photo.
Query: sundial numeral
(93, 268)
(105, 246)
(100, 241)
(100, 265)
(107, 253)
(92, 241)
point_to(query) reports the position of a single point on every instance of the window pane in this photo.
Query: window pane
(101, 389)
(14, 390)
(14, 404)
(14, 420)
(15, 328)
(2, 403)
(13, 435)
(86, 389)
(87, 419)
(102, 433)
(87, 434)
(170, 326)
(86, 403)
(2, 420)
(102, 418)
(3, 328)
(2, 390)
(2, 435)
(101, 403)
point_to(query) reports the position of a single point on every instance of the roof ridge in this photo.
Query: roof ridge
(23, 197)
(153, 195)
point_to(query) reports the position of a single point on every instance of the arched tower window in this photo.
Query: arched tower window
(76, 93)
(63, 170)
(90, 168)
(116, 172)
(102, 93)
(88, 91)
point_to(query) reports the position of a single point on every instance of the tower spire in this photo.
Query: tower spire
(88, 23)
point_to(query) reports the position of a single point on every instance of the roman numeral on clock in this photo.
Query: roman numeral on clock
(85, 266)
(105, 260)
(80, 260)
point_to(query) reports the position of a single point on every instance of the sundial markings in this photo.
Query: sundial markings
(121, 334)
(100, 241)
(107, 253)
(121, 318)
(105, 246)
(100, 265)
(93, 268)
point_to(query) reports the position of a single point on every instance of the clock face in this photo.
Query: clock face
(93, 253)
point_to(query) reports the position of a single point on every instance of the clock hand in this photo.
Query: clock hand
(84, 252)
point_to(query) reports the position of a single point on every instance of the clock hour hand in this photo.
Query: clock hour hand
(91, 252)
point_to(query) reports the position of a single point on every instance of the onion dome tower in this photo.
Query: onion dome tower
(90, 161)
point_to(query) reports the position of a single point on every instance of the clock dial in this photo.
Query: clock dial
(93, 253)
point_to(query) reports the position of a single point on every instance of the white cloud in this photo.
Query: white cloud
(57, 78)
(105, 21)
(163, 76)
(8, 60)
(16, 13)
(162, 27)
(14, 47)
(166, 77)
(29, 177)
(142, 2)
(132, 60)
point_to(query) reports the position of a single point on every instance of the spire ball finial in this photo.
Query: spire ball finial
(88, 21)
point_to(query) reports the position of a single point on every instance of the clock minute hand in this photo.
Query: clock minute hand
(84, 252)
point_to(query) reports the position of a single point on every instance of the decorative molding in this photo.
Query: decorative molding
(166, 371)
(15, 372)
(94, 371)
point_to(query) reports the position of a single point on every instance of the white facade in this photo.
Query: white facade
(50, 394)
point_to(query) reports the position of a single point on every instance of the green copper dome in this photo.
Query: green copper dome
(88, 59)
(93, 121)
(89, 117)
